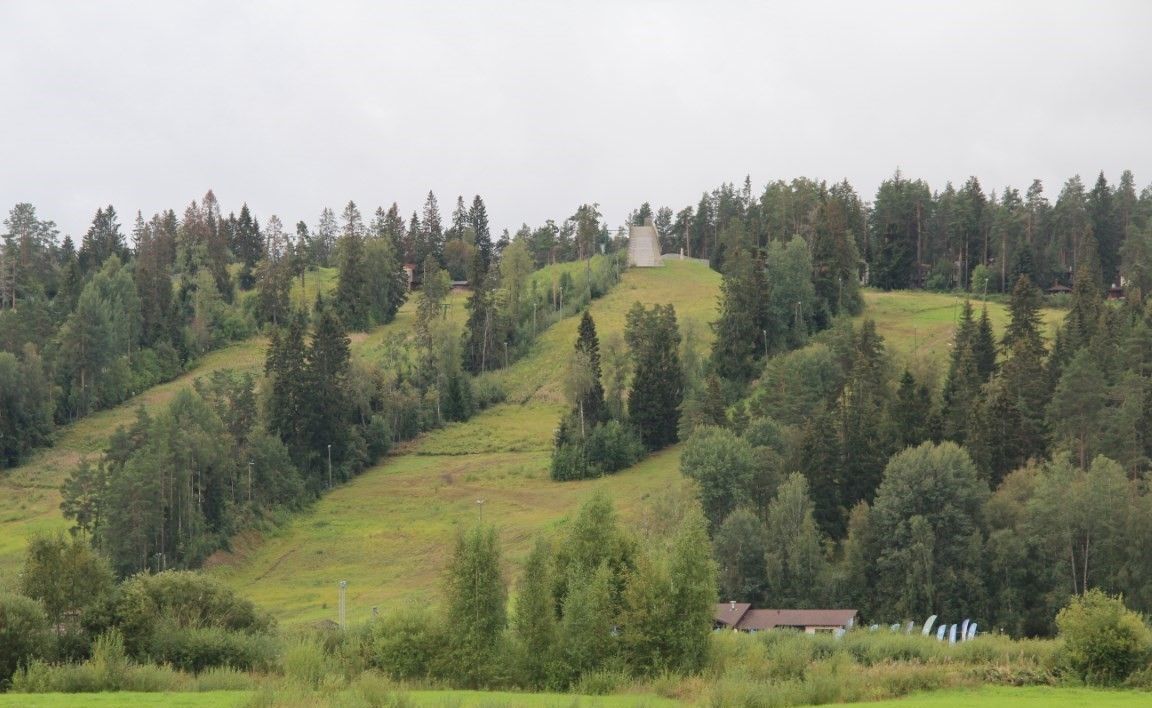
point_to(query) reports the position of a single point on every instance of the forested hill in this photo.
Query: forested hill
(807, 404)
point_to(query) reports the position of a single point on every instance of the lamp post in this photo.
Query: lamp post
(329, 465)
(480, 506)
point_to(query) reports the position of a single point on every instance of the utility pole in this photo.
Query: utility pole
(343, 597)
(329, 465)
(249, 481)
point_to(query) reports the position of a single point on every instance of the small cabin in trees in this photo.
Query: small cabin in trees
(742, 617)
(644, 245)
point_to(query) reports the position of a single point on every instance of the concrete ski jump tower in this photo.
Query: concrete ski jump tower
(644, 246)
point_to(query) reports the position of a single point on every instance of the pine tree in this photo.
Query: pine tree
(741, 543)
(863, 402)
(1025, 323)
(415, 247)
(1087, 297)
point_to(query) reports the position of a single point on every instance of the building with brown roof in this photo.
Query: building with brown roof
(742, 617)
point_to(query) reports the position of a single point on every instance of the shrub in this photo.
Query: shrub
(1104, 641)
(304, 660)
(601, 683)
(409, 645)
(487, 392)
(568, 462)
(223, 678)
(612, 447)
(24, 633)
(174, 600)
(195, 649)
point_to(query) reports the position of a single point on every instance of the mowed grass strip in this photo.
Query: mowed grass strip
(918, 326)
(389, 531)
(1018, 697)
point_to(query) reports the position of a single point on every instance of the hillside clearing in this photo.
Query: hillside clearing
(389, 530)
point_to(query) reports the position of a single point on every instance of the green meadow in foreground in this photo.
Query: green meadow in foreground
(988, 697)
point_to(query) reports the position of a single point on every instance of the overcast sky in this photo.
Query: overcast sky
(540, 106)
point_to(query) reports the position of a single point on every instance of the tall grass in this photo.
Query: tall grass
(782, 668)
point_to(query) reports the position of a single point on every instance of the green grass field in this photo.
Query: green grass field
(1019, 697)
(917, 326)
(988, 697)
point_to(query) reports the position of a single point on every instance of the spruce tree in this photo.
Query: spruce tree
(288, 402)
(329, 408)
(1087, 297)
(910, 412)
(818, 459)
(658, 382)
(480, 331)
(352, 298)
(478, 216)
(984, 346)
(742, 330)
(592, 401)
(961, 394)
(432, 229)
